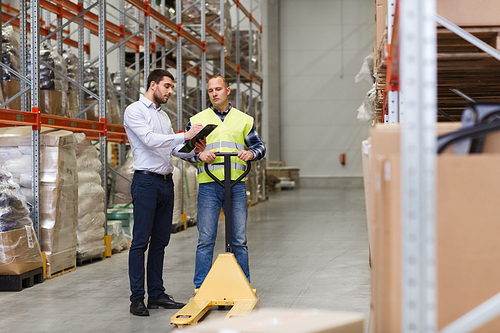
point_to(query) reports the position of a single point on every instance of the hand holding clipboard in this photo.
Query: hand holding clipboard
(189, 146)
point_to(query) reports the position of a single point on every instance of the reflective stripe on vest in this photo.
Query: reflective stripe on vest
(211, 167)
(225, 144)
(228, 137)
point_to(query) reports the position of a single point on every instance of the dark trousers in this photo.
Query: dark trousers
(153, 200)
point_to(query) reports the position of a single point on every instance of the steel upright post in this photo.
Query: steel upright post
(250, 58)
(153, 37)
(23, 50)
(81, 62)
(35, 133)
(418, 68)
(147, 44)
(123, 73)
(163, 58)
(102, 100)
(222, 32)
(59, 35)
(238, 65)
(178, 19)
(203, 57)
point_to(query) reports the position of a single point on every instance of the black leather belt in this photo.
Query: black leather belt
(154, 174)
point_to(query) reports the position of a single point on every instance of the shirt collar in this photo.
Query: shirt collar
(149, 104)
(221, 113)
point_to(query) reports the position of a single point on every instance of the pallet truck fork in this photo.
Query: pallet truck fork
(225, 284)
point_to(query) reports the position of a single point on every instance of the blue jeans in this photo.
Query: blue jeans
(210, 202)
(153, 200)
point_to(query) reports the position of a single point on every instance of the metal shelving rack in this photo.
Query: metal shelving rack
(155, 31)
(412, 80)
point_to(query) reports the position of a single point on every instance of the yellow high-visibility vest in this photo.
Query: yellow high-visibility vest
(229, 136)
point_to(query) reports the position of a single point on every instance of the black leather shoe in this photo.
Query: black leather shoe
(137, 308)
(167, 302)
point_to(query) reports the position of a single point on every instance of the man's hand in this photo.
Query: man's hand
(200, 145)
(207, 156)
(245, 155)
(195, 128)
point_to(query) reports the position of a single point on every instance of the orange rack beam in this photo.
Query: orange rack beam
(92, 129)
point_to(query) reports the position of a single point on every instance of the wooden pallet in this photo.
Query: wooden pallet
(61, 272)
(88, 260)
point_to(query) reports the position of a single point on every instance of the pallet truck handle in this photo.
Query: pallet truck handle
(227, 156)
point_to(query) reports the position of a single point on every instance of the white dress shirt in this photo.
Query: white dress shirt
(151, 137)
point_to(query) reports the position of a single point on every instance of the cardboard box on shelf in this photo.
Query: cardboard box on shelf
(467, 186)
(269, 320)
(19, 251)
(468, 250)
(10, 88)
(51, 102)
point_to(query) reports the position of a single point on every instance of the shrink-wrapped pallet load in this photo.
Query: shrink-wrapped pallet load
(53, 87)
(73, 104)
(245, 51)
(190, 192)
(177, 223)
(10, 58)
(19, 247)
(120, 188)
(91, 216)
(58, 188)
(91, 83)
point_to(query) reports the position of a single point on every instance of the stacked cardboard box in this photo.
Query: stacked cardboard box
(467, 224)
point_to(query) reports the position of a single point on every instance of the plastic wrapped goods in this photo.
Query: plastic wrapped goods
(190, 191)
(58, 188)
(10, 53)
(132, 86)
(19, 251)
(73, 103)
(14, 212)
(91, 82)
(177, 178)
(118, 240)
(90, 230)
(192, 16)
(245, 51)
(120, 188)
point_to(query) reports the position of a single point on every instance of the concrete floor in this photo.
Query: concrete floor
(308, 249)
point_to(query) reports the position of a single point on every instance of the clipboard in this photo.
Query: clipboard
(189, 146)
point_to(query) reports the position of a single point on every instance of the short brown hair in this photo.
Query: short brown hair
(157, 75)
(219, 77)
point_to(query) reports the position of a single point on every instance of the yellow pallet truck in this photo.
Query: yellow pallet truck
(225, 284)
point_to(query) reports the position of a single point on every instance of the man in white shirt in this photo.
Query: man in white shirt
(152, 140)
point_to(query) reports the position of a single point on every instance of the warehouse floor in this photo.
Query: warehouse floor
(308, 249)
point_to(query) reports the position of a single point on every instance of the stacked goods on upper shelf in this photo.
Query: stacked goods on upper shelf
(461, 65)
(245, 41)
(58, 188)
(10, 58)
(91, 217)
(131, 87)
(91, 83)
(73, 106)
(191, 19)
(19, 247)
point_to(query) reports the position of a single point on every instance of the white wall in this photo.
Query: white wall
(322, 46)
